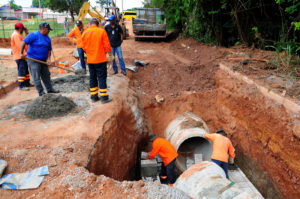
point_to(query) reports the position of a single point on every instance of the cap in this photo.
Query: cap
(45, 25)
(111, 17)
(78, 23)
(152, 137)
(19, 25)
(222, 132)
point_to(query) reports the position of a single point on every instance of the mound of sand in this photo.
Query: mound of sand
(48, 106)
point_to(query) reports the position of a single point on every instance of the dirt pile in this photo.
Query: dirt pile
(71, 83)
(49, 106)
(61, 42)
(4, 42)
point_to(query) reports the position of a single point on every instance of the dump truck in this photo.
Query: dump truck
(149, 23)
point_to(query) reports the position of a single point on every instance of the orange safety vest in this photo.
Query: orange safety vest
(16, 39)
(95, 44)
(77, 34)
(165, 150)
(221, 146)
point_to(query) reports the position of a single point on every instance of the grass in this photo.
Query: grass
(7, 27)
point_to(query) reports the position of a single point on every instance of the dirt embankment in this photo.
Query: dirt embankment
(266, 133)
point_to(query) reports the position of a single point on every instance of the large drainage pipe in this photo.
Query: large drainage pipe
(208, 180)
(186, 134)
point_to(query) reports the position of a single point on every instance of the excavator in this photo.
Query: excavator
(86, 9)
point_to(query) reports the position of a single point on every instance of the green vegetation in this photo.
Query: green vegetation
(14, 6)
(44, 3)
(266, 24)
(72, 6)
(7, 27)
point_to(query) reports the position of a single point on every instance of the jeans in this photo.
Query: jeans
(67, 32)
(81, 57)
(38, 72)
(169, 171)
(223, 165)
(23, 73)
(118, 50)
(98, 75)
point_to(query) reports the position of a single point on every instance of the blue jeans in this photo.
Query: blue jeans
(23, 73)
(169, 171)
(118, 50)
(81, 57)
(67, 32)
(38, 72)
(98, 75)
(223, 165)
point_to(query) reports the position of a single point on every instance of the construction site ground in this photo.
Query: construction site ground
(105, 139)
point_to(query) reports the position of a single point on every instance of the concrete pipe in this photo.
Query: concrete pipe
(208, 180)
(186, 134)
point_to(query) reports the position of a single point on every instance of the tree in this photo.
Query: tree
(72, 6)
(14, 6)
(44, 3)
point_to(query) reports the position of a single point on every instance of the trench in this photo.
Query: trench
(116, 153)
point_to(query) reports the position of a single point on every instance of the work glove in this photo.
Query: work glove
(231, 160)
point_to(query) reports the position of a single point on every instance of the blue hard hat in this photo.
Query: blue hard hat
(111, 17)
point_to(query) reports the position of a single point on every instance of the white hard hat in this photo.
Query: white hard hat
(106, 18)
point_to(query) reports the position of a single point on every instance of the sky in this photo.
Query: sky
(126, 3)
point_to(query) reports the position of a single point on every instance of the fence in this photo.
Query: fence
(7, 24)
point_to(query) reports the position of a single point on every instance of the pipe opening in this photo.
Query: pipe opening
(193, 150)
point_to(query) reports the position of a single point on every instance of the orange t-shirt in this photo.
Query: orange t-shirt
(16, 39)
(221, 147)
(165, 149)
(77, 34)
(95, 44)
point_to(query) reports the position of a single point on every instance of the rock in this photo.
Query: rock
(143, 190)
(245, 61)
(141, 182)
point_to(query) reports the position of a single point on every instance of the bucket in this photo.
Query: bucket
(63, 64)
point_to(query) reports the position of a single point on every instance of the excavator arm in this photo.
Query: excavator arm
(86, 9)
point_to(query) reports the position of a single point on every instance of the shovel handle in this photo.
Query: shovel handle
(43, 62)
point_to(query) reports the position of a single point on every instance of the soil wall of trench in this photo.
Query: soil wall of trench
(265, 129)
(116, 151)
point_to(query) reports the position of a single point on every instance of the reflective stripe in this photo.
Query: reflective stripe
(103, 94)
(21, 80)
(94, 89)
(94, 92)
(22, 77)
(103, 90)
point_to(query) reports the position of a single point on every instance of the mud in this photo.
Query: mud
(71, 83)
(48, 106)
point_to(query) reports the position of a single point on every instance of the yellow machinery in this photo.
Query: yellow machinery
(86, 9)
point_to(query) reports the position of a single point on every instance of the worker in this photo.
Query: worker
(96, 44)
(66, 26)
(221, 146)
(23, 72)
(168, 154)
(77, 33)
(106, 21)
(115, 34)
(40, 49)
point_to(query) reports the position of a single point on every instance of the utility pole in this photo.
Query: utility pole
(122, 5)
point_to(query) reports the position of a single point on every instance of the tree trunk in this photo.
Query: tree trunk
(239, 28)
(72, 15)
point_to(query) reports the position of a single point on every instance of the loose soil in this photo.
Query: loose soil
(182, 71)
(48, 106)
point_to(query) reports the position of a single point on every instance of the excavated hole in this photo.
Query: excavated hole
(116, 153)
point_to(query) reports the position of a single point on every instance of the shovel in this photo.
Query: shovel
(42, 62)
